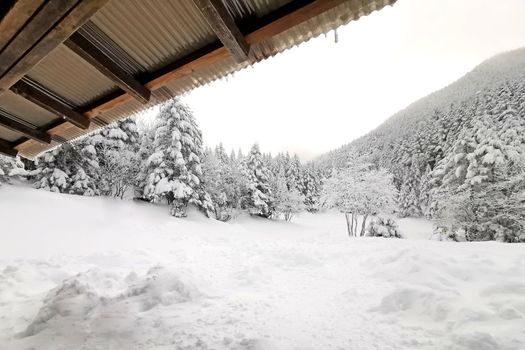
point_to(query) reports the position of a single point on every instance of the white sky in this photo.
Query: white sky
(321, 95)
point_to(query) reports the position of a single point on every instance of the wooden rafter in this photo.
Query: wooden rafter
(82, 47)
(57, 34)
(50, 104)
(34, 134)
(31, 33)
(223, 24)
(277, 22)
(6, 149)
(15, 17)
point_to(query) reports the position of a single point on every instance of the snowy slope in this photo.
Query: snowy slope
(489, 74)
(93, 273)
(507, 68)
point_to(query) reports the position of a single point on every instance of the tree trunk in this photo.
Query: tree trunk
(363, 225)
(354, 224)
(349, 226)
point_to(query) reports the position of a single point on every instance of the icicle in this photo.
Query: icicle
(336, 36)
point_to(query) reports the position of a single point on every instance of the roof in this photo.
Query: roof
(69, 67)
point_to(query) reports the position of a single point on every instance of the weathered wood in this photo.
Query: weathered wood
(6, 149)
(15, 18)
(223, 24)
(302, 14)
(67, 25)
(33, 31)
(39, 98)
(82, 47)
(34, 134)
(290, 15)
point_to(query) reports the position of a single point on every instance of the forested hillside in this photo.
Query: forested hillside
(167, 163)
(457, 155)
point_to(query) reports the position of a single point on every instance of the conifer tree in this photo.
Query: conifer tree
(11, 167)
(53, 168)
(286, 201)
(257, 196)
(174, 168)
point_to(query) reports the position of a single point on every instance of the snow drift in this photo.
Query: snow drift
(124, 275)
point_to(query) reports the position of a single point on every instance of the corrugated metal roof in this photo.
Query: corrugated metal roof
(143, 36)
(242, 9)
(8, 135)
(64, 73)
(327, 21)
(32, 114)
(155, 32)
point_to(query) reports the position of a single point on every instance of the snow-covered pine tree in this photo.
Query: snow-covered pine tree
(295, 174)
(174, 168)
(53, 168)
(425, 185)
(408, 197)
(486, 157)
(145, 150)
(220, 154)
(257, 196)
(286, 201)
(3, 173)
(115, 158)
(312, 187)
(234, 183)
(214, 179)
(84, 175)
(11, 168)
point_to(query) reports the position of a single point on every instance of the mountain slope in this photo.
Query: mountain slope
(505, 68)
(465, 142)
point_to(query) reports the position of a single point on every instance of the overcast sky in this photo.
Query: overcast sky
(321, 95)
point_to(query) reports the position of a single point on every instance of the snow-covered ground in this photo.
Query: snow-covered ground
(93, 273)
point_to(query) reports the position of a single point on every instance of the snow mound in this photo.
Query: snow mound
(97, 294)
(72, 299)
(163, 287)
(468, 300)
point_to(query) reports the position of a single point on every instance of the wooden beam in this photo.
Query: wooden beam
(223, 24)
(82, 47)
(15, 18)
(68, 24)
(6, 149)
(44, 19)
(277, 22)
(50, 104)
(300, 14)
(34, 134)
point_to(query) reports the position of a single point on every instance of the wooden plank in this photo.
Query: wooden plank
(290, 15)
(6, 149)
(82, 12)
(41, 99)
(286, 22)
(82, 47)
(223, 24)
(33, 31)
(15, 18)
(39, 136)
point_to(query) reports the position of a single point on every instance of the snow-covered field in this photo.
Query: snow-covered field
(93, 273)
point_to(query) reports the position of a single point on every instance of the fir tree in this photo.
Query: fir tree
(10, 168)
(174, 168)
(257, 197)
